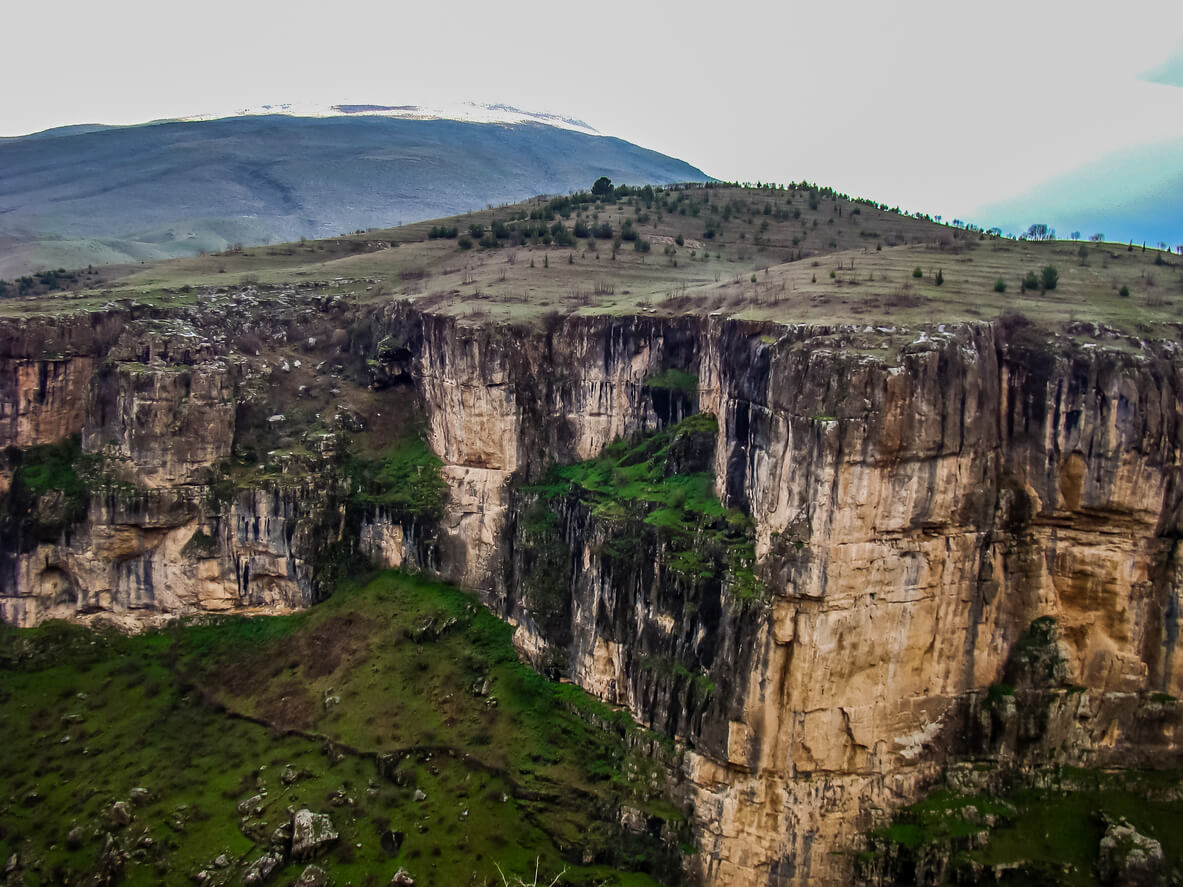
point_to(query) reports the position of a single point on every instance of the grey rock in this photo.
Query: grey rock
(120, 814)
(262, 869)
(281, 836)
(402, 878)
(222, 861)
(140, 796)
(311, 832)
(75, 837)
(1131, 859)
(313, 876)
(420, 795)
(253, 804)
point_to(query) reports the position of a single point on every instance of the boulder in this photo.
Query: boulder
(262, 869)
(402, 878)
(120, 814)
(253, 804)
(1131, 859)
(311, 832)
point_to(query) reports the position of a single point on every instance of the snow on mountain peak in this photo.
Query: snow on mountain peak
(468, 112)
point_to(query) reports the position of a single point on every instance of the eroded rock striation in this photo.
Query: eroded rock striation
(911, 513)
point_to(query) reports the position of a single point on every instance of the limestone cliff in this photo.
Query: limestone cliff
(912, 518)
(914, 507)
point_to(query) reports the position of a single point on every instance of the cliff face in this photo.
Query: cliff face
(913, 509)
(154, 399)
(911, 521)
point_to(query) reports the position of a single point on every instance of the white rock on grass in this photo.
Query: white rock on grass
(310, 833)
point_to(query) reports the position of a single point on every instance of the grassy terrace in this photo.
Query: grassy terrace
(802, 255)
(663, 482)
(1054, 832)
(388, 691)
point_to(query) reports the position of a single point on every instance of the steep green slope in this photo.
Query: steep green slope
(397, 708)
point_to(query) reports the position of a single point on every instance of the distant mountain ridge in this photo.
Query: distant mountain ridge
(91, 194)
(1133, 194)
(466, 112)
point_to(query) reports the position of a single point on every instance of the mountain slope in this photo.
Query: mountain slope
(179, 188)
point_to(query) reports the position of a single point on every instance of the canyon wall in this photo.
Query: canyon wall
(913, 516)
(914, 507)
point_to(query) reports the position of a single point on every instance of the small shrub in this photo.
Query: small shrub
(917, 271)
(1000, 285)
(1124, 292)
(1031, 281)
(464, 242)
(1049, 277)
(940, 278)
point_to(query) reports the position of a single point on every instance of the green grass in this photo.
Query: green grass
(404, 479)
(1054, 829)
(674, 380)
(661, 483)
(203, 714)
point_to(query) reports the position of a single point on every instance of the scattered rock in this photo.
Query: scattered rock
(402, 878)
(110, 863)
(310, 833)
(289, 775)
(262, 869)
(420, 795)
(253, 804)
(120, 814)
(281, 836)
(140, 796)
(222, 861)
(75, 837)
(313, 876)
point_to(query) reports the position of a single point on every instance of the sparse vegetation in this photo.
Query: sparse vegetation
(508, 766)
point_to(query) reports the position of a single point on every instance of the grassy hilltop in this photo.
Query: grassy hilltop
(800, 254)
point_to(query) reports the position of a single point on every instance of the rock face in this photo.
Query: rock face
(912, 520)
(916, 511)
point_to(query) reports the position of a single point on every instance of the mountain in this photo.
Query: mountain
(102, 195)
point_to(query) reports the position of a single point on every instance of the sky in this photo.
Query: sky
(944, 107)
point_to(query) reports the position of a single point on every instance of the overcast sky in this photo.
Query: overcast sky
(941, 106)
